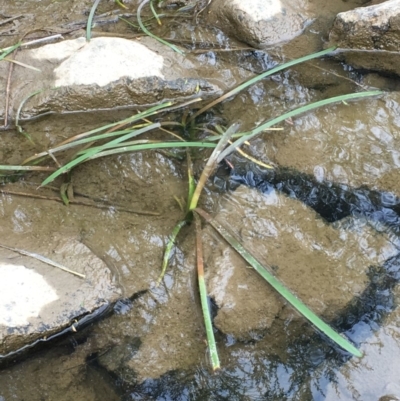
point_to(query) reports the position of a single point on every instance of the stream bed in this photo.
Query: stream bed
(325, 218)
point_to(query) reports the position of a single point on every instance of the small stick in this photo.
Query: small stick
(42, 259)
(10, 19)
(76, 202)
(7, 106)
(36, 41)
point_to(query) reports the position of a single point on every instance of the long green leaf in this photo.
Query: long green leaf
(91, 152)
(117, 146)
(168, 249)
(5, 53)
(90, 20)
(191, 181)
(93, 139)
(293, 113)
(147, 32)
(26, 168)
(278, 286)
(260, 77)
(126, 121)
(156, 16)
(212, 346)
(154, 146)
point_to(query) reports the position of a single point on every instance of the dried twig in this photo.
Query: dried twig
(77, 202)
(42, 259)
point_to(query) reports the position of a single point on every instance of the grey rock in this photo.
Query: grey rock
(260, 23)
(106, 73)
(369, 37)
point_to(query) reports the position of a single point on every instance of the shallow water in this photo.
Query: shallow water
(152, 345)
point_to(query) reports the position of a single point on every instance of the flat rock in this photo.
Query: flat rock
(105, 73)
(38, 300)
(369, 37)
(260, 23)
(343, 144)
(324, 265)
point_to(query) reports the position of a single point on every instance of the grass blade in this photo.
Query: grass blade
(294, 113)
(168, 249)
(19, 128)
(26, 168)
(5, 52)
(116, 146)
(90, 20)
(204, 299)
(43, 259)
(121, 123)
(156, 16)
(191, 181)
(119, 3)
(30, 67)
(260, 77)
(154, 146)
(92, 151)
(278, 286)
(92, 139)
(147, 32)
(211, 163)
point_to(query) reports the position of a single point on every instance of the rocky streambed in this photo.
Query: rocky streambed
(325, 219)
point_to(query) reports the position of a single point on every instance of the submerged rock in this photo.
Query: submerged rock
(105, 73)
(162, 332)
(343, 144)
(369, 37)
(326, 266)
(38, 300)
(260, 23)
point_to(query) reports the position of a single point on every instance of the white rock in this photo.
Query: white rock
(103, 74)
(58, 51)
(260, 22)
(41, 300)
(23, 293)
(104, 60)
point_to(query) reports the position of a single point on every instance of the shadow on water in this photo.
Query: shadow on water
(331, 201)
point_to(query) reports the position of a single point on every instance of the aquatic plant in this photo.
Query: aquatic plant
(147, 32)
(117, 138)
